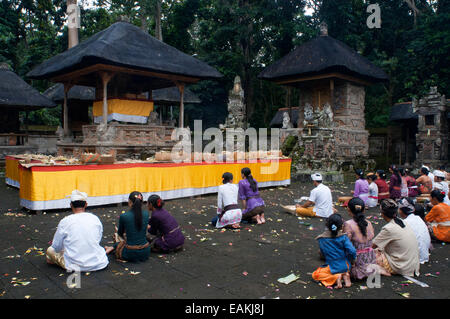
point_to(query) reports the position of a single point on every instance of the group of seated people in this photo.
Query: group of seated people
(351, 249)
(76, 243)
(373, 187)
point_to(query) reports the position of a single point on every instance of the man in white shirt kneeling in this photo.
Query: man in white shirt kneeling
(76, 243)
(319, 203)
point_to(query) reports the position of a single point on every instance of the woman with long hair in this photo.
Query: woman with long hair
(164, 226)
(396, 247)
(395, 183)
(360, 232)
(361, 186)
(228, 212)
(131, 241)
(252, 202)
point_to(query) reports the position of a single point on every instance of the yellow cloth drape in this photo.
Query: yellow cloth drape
(54, 183)
(12, 171)
(127, 107)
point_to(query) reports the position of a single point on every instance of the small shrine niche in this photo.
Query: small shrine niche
(432, 135)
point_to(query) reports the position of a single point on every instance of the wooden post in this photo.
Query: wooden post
(181, 118)
(67, 87)
(72, 24)
(332, 93)
(106, 77)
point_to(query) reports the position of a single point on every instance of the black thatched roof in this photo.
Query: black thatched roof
(172, 95)
(403, 112)
(77, 92)
(321, 55)
(277, 120)
(16, 93)
(123, 44)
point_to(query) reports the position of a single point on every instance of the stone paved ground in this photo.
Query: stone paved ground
(214, 265)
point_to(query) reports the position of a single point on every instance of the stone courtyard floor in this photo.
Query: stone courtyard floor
(215, 264)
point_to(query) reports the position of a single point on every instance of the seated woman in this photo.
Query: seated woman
(396, 247)
(164, 226)
(406, 211)
(383, 187)
(131, 241)
(252, 202)
(395, 183)
(360, 232)
(372, 201)
(361, 189)
(424, 184)
(413, 190)
(338, 252)
(438, 218)
(228, 211)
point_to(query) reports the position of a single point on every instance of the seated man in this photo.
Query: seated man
(76, 243)
(319, 203)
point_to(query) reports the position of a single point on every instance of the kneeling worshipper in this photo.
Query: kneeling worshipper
(395, 183)
(163, 225)
(338, 252)
(319, 202)
(406, 212)
(396, 247)
(360, 232)
(438, 218)
(131, 241)
(441, 184)
(372, 201)
(228, 212)
(76, 243)
(424, 184)
(383, 187)
(252, 202)
(361, 189)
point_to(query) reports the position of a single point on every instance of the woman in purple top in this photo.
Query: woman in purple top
(361, 186)
(395, 183)
(164, 226)
(248, 192)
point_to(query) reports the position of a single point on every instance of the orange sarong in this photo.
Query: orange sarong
(324, 275)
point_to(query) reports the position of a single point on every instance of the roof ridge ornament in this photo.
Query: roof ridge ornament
(323, 29)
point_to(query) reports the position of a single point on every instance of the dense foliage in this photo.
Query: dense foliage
(241, 37)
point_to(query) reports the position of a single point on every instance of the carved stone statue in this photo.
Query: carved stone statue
(153, 118)
(106, 133)
(236, 106)
(286, 120)
(310, 115)
(326, 116)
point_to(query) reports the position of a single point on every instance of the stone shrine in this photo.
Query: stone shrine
(432, 129)
(331, 79)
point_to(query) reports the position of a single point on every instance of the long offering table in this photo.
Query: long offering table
(46, 187)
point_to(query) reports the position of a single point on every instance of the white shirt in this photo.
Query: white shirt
(323, 201)
(227, 195)
(423, 236)
(431, 175)
(79, 236)
(373, 192)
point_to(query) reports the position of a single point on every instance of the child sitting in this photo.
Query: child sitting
(338, 252)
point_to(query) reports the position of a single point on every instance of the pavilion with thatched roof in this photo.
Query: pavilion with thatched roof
(122, 62)
(331, 78)
(17, 95)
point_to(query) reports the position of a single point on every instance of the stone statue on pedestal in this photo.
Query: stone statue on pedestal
(286, 121)
(236, 107)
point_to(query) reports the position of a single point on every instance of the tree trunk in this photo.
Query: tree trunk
(158, 30)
